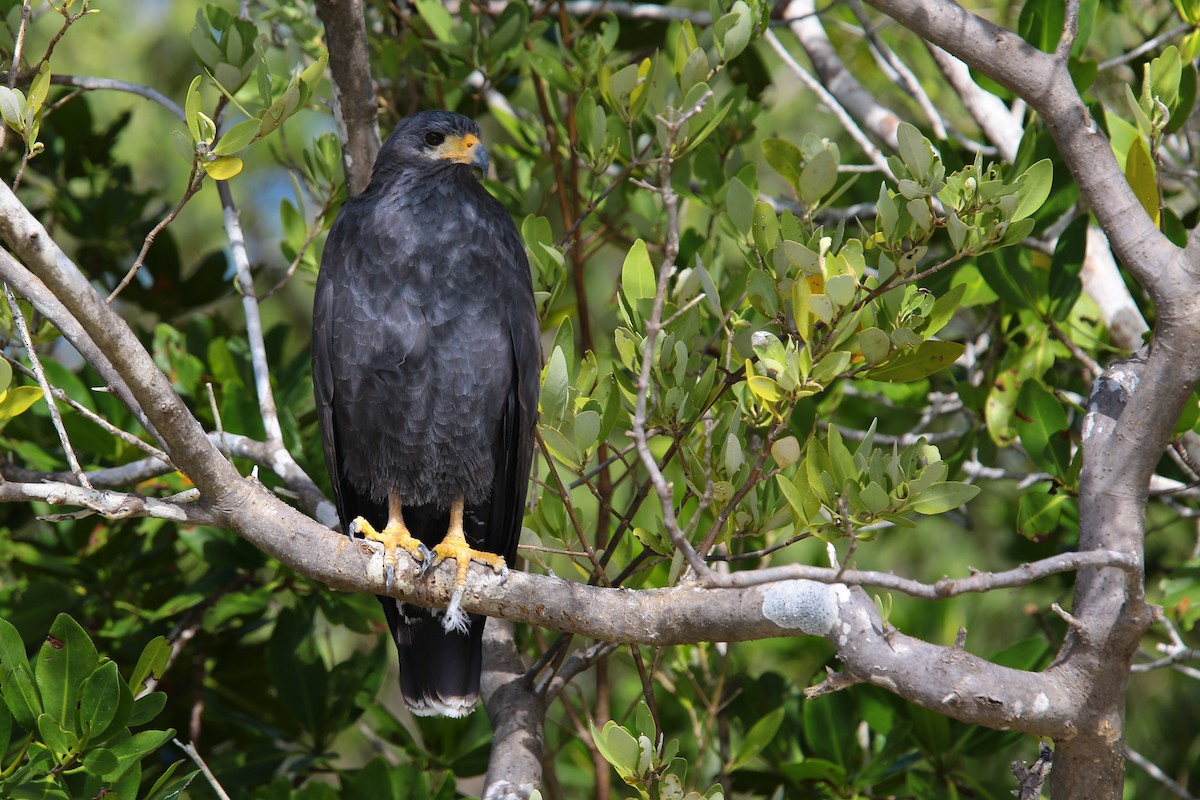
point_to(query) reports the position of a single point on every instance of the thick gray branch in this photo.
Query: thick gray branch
(518, 715)
(353, 89)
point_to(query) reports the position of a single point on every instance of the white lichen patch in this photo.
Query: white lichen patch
(1041, 703)
(805, 606)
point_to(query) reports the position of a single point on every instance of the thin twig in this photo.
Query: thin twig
(843, 118)
(946, 587)
(194, 755)
(92, 416)
(1153, 770)
(653, 326)
(254, 330)
(1070, 31)
(92, 83)
(195, 181)
(36, 365)
(1150, 45)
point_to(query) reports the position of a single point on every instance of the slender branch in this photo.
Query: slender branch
(1000, 125)
(36, 364)
(92, 416)
(195, 181)
(1148, 46)
(1153, 770)
(653, 326)
(946, 587)
(93, 83)
(878, 120)
(108, 504)
(1070, 31)
(898, 71)
(18, 49)
(254, 331)
(354, 102)
(194, 755)
(830, 102)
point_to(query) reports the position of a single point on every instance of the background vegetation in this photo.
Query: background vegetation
(921, 431)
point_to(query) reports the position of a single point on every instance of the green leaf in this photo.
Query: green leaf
(132, 750)
(560, 446)
(765, 389)
(637, 274)
(16, 678)
(223, 168)
(18, 400)
(765, 227)
(1033, 187)
(238, 137)
(874, 345)
(943, 310)
(439, 20)
(819, 176)
(1000, 407)
(757, 738)
(12, 108)
(1039, 416)
(618, 747)
(191, 108)
(65, 660)
(1039, 514)
(152, 662)
(785, 158)
(555, 392)
(1165, 73)
(6, 375)
(733, 30)
(739, 203)
(923, 360)
(916, 151)
(99, 699)
(100, 761)
(1041, 23)
(146, 708)
(1142, 177)
(942, 497)
(60, 742)
(587, 429)
(39, 87)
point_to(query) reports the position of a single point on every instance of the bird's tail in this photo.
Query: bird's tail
(439, 669)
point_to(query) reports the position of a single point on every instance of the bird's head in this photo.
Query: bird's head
(431, 138)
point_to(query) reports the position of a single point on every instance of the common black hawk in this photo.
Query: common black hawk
(426, 356)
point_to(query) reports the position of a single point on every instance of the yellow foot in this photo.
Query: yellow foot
(455, 546)
(394, 536)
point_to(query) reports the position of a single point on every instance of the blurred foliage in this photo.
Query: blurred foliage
(823, 375)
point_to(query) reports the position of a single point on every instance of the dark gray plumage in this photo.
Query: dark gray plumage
(425, 367)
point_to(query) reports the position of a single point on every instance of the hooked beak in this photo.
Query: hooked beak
(465, 149)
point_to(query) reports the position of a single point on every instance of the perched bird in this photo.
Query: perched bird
(426, 357)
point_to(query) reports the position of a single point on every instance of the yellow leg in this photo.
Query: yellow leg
(455, 546)
(394, 535)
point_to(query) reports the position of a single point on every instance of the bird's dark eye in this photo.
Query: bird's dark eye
(433, 138)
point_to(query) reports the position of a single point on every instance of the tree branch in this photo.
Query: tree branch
(354, 105)
(879, 121)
